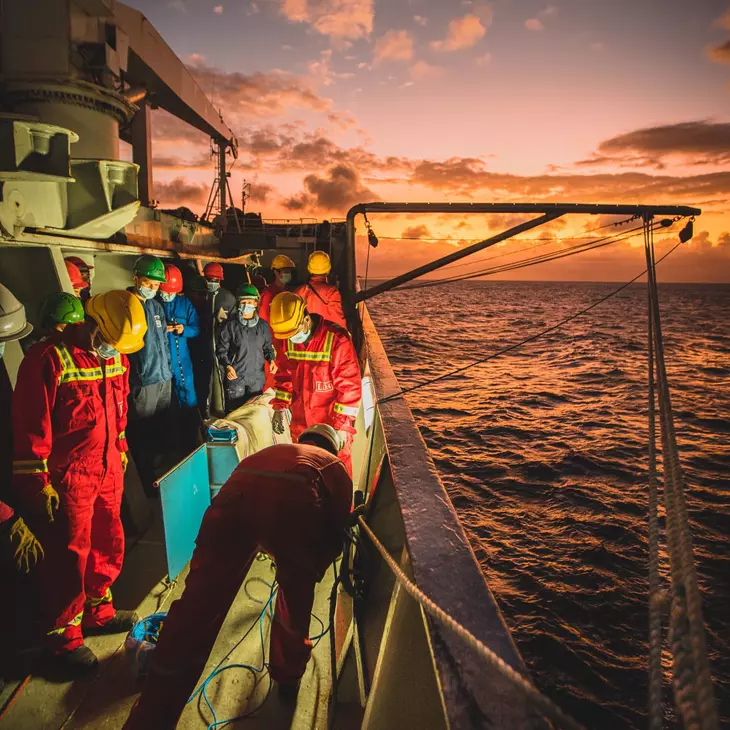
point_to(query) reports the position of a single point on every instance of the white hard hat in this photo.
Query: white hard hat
(13, 324)
(323, 431)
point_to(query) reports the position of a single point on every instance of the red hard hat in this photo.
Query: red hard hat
(173, 280)
(213, 270)
(74, 274)
(78, 261)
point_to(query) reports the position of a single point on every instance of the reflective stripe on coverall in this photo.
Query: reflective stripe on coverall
(291, 501)
(323, 299)
(320, 381)
(69, 416)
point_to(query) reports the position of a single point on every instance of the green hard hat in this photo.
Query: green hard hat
(62, 308)
(151, 267)
(247, 291)
(198, 284)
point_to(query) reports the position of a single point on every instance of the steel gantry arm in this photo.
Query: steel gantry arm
(550, 211)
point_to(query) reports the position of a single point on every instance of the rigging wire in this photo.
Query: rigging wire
(541, 258)
(517, 345)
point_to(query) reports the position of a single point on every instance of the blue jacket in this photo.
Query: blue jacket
(181, 311)
(244, 348)
(152, 363)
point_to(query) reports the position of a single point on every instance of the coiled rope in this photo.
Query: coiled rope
(545, 705)
(692, 682)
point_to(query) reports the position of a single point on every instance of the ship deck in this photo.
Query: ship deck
(104, 700)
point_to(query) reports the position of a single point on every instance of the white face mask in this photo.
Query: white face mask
(285, 277)
(212, 286)
(299, 338)
(167, 297)
(105, 351)
(146, 292)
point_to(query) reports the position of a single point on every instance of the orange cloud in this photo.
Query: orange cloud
(534, 24)
(339, 191)
(700, 142)
(338, 19)
(724, 20)
(463, 33)
(395, 45)
(719, 54)
(421, 231)
(421, 70)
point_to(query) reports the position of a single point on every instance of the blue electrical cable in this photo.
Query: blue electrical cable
(257, 672)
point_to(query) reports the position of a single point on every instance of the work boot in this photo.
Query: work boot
(76, 663)
(289, 691)
(120, 622)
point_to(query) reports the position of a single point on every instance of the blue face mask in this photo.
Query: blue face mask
(213, 286)
(299, 338)
(146, 292)
(167, 297)
(105, 351)
(285, 277)
(2, 349)
(247, 308)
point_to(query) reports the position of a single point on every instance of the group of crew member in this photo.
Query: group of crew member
(130, 356)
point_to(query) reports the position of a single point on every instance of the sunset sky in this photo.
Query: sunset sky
(336, 102)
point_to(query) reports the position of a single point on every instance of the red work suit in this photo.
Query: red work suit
(320, 382)
(291, 501)
(265, 302)
(323, 299)
(69, 416)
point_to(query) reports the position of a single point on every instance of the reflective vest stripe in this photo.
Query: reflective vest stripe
(324, 355)
(75, 621)
(346, 410)
(71, 373)
(282, 395)
(30, 466)
(94, 602)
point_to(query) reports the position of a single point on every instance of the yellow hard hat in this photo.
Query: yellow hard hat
(286, 314)
(121, 319)
(319, 263)
(282, 262)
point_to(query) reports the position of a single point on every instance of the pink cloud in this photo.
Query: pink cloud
(534, 24)
(395, 45)
(463, 33)
(338, 19)
(421, 70)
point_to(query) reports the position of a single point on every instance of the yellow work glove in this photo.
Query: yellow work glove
(28, 550)
(51, 499)
(125, 460)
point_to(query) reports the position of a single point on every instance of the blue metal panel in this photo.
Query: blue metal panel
(185, 495)
(222, 460)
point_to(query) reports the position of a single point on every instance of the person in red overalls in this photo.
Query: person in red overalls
(321, 297)
(290, 500)
(283, 268)
(318, 374)
(70, 452)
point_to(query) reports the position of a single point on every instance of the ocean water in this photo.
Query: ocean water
(544, 454)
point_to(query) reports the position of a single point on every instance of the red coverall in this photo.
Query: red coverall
(265, 302)
(323, 299)
(291, 501)
(69, 416)
(320, 381)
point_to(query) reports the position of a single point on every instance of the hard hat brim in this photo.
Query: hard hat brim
(18, 335)
(285, 335)
(129, 349)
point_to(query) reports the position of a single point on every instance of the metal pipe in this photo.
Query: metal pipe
(135, 94)
(222, 181)
(438, 263)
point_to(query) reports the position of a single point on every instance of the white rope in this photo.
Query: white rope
(545, 705)
(656, 595)
(693, 688)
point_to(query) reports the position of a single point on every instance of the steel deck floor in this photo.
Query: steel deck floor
(104, 701)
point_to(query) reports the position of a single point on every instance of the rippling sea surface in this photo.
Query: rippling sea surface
(544, 454)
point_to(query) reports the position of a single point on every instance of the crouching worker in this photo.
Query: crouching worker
(289, 500)
(70, 452)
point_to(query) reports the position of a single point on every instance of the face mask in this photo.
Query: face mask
(167, 297)
(299, 338)
(247, 308)
(285, 277)
(2, 349)
(105, 351)
(146, 292)
(213, 286)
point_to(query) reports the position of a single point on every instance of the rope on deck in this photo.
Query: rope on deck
(545, 705)
(692, 681)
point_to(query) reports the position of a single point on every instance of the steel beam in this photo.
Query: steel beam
(142, 152)
(444, 260)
